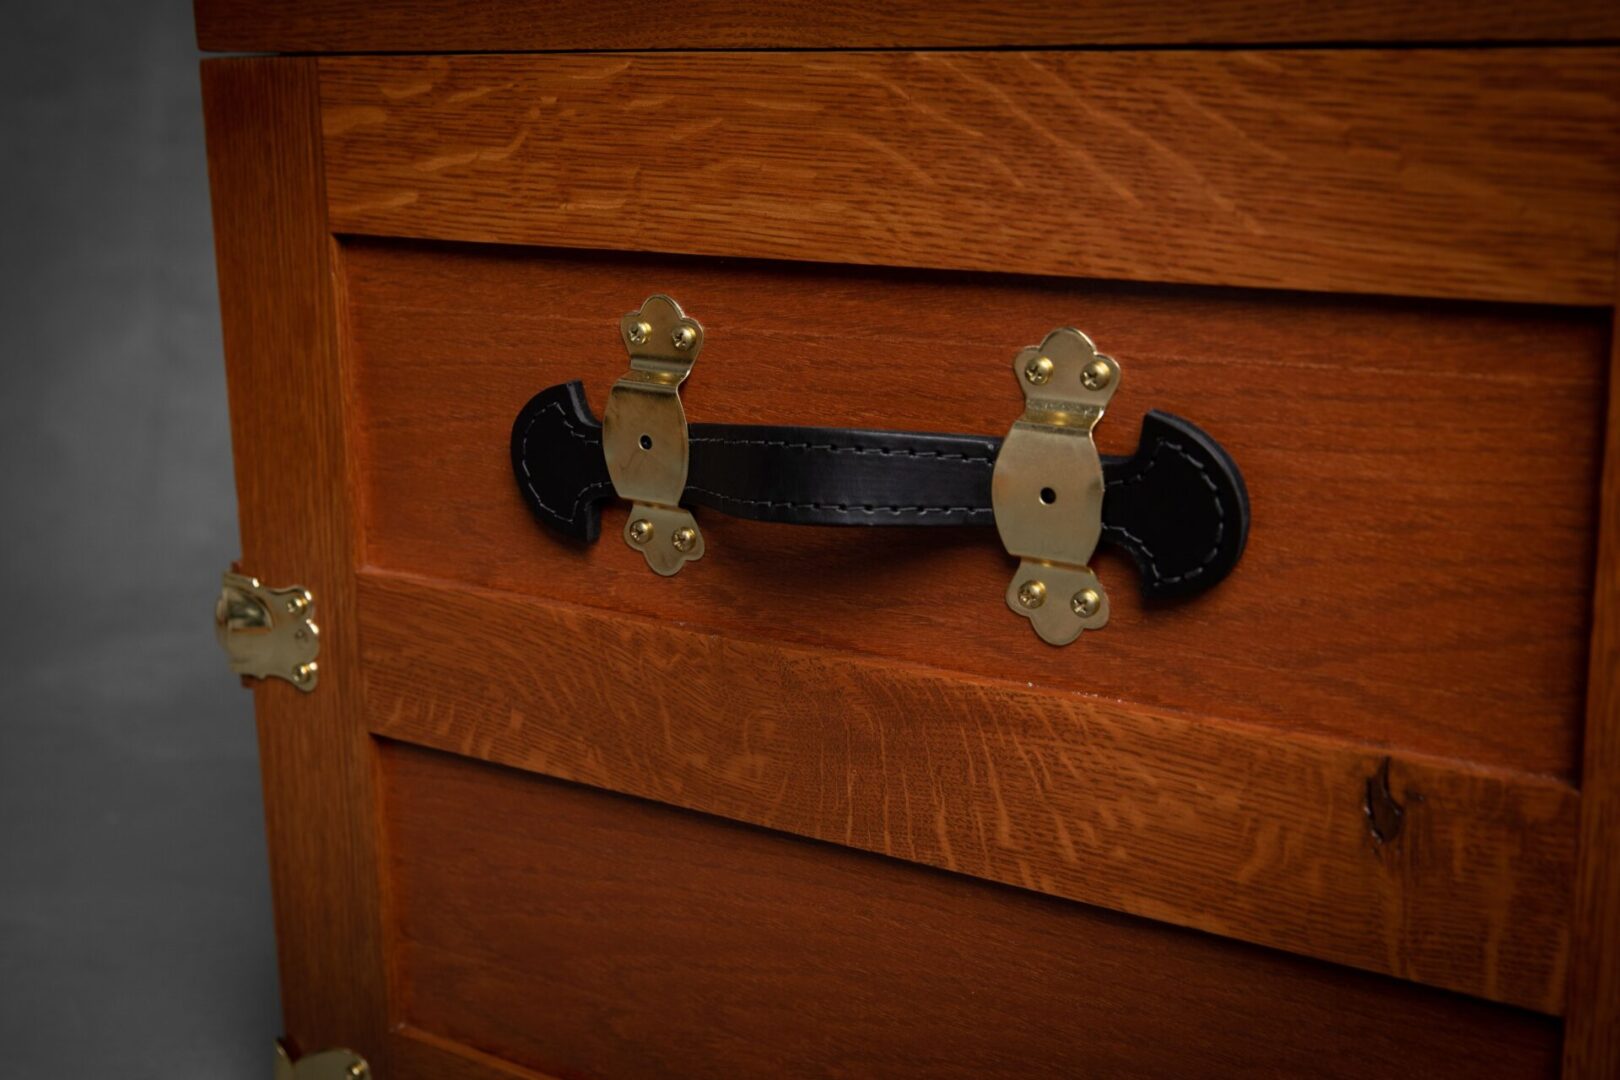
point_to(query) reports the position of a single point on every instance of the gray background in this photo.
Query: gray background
(135, 929)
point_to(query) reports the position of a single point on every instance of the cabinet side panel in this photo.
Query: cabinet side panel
(1592, 1041)
(297, 524)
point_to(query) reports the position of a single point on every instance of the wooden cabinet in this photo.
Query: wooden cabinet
(819, 805)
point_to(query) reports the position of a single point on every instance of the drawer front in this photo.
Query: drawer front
(1382, 279)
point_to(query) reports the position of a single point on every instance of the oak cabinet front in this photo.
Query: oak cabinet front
(821, 802)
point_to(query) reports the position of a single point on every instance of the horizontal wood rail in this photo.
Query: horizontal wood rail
(1484, 174)
(1223, 827)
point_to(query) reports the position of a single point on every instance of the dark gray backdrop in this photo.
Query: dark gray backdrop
(135, 931)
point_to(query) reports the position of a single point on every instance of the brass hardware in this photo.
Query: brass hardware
(1047, 486)
(684, 539)
(1085, 603)
(1039, 370)
(1032, 594)
(644, 432)
(268, 632)
(324, 1065)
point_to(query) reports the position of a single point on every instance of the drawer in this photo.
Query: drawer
(1343, 787)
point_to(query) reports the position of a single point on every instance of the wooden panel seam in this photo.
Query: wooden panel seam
(1258, 837)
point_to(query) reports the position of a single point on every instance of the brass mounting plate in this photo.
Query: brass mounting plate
(644, 433)
(324, 1065)
(1047, 487)
(268, 632)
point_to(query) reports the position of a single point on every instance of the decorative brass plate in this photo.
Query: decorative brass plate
(644, 433)
(1047, 487)
(268, 632)
(325, 1065)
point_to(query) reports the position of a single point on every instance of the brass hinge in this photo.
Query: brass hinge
(325, 1065)
(268, 631)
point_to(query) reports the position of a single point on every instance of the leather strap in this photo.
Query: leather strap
(1178, 505)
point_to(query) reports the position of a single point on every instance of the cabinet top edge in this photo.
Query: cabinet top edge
(423, 26)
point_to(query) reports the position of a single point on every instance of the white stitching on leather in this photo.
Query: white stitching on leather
(528, 478)
(1137, 544)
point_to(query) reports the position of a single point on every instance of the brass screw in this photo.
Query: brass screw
(684, 539)
(1096, 375)
(358, 1069)
(1032, 594)
(303, 673)
(1039, 370)
(641, 530)
(683, 337)
(297, 605)
(638, 333)
(1086, 602)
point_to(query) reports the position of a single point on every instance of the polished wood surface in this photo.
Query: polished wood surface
(517, 25)
(1411, 472)
(298, 527)
(593, 935)
(1592, 1047)
(1242, 832)
(1485, 174)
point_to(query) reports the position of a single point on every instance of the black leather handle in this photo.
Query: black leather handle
(1178, 505)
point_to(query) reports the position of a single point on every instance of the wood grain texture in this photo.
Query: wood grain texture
(1592, 1037)
(597, 936)
(297, 526)
(1483, 174)
(518, 25)
(421, 1055)
(1244, 833)
(1401, 458)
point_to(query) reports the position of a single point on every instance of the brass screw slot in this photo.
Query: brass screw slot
(1032, 594)
(684, 539)
(297, 605)
(1039, 370)
(683, 337)
(641, 530)
(303, 673)
(1085, 603)
(638, 333)
(1096, 375)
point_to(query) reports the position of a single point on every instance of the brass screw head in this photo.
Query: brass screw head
(1096, 375)
(685, 538)
(1039, 370)
(641, 530)
(1085, 603)
(358, 1070)
(1032, 594)
(683, 337)
(303, 673)
(297, 605)
(638, 333)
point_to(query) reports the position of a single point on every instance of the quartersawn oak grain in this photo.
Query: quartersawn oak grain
(517, 25)
(593, 935)
(1419, 570)
(1221, 827)
(1485, 174)
(1592, 1035)
(298, 523)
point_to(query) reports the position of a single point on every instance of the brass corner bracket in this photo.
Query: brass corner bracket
(1047, 486)
(644, 433)
(268, 632)
(324, 1065)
